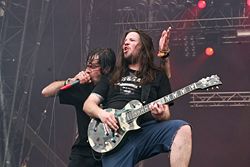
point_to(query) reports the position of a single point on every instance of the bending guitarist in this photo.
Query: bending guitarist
(134, 71)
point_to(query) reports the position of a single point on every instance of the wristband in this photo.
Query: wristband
(163, 53)
(165, 56)
(67, 81)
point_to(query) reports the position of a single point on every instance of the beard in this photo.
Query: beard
(131, 59)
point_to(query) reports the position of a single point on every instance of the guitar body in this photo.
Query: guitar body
(102, 139)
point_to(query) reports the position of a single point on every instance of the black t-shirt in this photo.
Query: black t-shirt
(76, 96)
(128, 89)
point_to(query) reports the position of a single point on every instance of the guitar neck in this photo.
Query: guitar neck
(175, 95)
(165, 99)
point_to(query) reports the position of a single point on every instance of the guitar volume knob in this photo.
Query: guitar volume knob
(116, 134)
(113, 140)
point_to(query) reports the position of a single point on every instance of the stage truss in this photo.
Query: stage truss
(220, 99)
(22, 28)
(221, 21)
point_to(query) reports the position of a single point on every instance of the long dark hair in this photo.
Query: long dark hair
(106, 57)
(147, 69)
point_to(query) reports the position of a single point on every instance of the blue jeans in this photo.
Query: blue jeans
(153, 138)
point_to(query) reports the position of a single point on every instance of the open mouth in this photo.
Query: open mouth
(125, 49)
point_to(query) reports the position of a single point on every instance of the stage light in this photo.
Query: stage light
(209, 51)
(202, 4)
(248, 3)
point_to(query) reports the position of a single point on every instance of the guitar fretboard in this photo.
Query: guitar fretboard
(166, 99)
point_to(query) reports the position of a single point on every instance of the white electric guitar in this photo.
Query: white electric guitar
(102, 139)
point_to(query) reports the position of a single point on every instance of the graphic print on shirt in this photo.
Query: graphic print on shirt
(129, 84)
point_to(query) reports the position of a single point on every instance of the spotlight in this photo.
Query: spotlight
(209, 51)
(248, 3)
(202, 4)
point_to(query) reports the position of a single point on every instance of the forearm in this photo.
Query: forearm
(166, 67)
(164, 51)
(52, 89)
(92, 109)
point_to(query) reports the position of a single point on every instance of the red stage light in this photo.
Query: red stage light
(209, 51)
(202, 4)
(248, 2)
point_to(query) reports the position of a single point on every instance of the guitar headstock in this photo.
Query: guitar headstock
(208, 82)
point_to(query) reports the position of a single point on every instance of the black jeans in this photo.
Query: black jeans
(77, 160)
(84, 156)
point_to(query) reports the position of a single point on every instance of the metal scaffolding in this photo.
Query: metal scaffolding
(23, 24)
(18, 56)
(220, 99)
(217, 20)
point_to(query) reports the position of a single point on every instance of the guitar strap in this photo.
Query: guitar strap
(145, 93)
